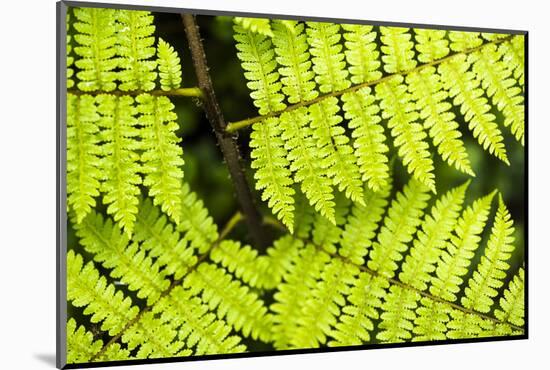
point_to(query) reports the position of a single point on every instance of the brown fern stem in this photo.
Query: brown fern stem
(229, 226)
(226, 142)
(234, 126)
(191, 92)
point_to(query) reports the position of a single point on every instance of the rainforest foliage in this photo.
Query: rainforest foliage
(368, 241)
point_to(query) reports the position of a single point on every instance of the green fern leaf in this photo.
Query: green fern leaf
(86, 287)
(258, 25)
(325, 233)
(269, 158)
(83, 154)
(464, 88)
(304, 161)
(327, 56)
(292, 293)
(501, 87)
(514, 57)
(398, 49)
(257, 59)
(81, 346)
(483, 285)
(323, 303)
(400, 303)
(426, 90)
(456, 258)
(281, 255)
(361, 53)
(512, 308)
(369, 144)
(431, 44)
(335, 152)
(398, 108)
(97, 48)
(399, 226)
(241, 308)
(128, 261)
(268, 154)
(362, 223)
(243, 262)
(199, 327)
(162, 156)
(119, 165)
(291, 48)
(135, 47)
(169, 66)
(195, 222)
(70, 58)
(159, 238)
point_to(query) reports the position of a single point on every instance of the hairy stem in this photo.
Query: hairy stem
(227, 142)
(229, 226)
(192, 92)
(234, 126)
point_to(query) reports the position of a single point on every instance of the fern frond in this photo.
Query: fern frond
(400, 224)
(335, 153)
(454, 261)
(361, 53)
(483, 285)
(120, 163)
(135, 49)
(97, 48)
(461, 41)
(129, 262)
(323, 304)
(257, 60)
(499, 85)
(155, 339)
(87, 288)
(514, 57)
(70, 58)
(327, 56)
(240, 307)
(195, 222)
(400, 303)
(169, 66)
(398, 49)
(160, 239)
(431, 44)
(355, 324)
(281, 256)
(465, 90)
(304, 161)
(362, 223)
(81, 346)
(433, 317)
(269, 158)
(398, 108)
(243, 262)
(325, 233)
(292, 293)
(512, 308)
(199, 327)
(369, 143)
(258, 25)
(291, 48)
(162, 156)
(83, 154)
(427, 91)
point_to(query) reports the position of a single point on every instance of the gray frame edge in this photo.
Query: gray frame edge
(298, 17)
(61, 187)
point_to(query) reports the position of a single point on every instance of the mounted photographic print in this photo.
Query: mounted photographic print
(240, 185)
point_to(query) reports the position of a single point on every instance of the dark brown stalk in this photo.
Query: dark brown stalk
(226, 141)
